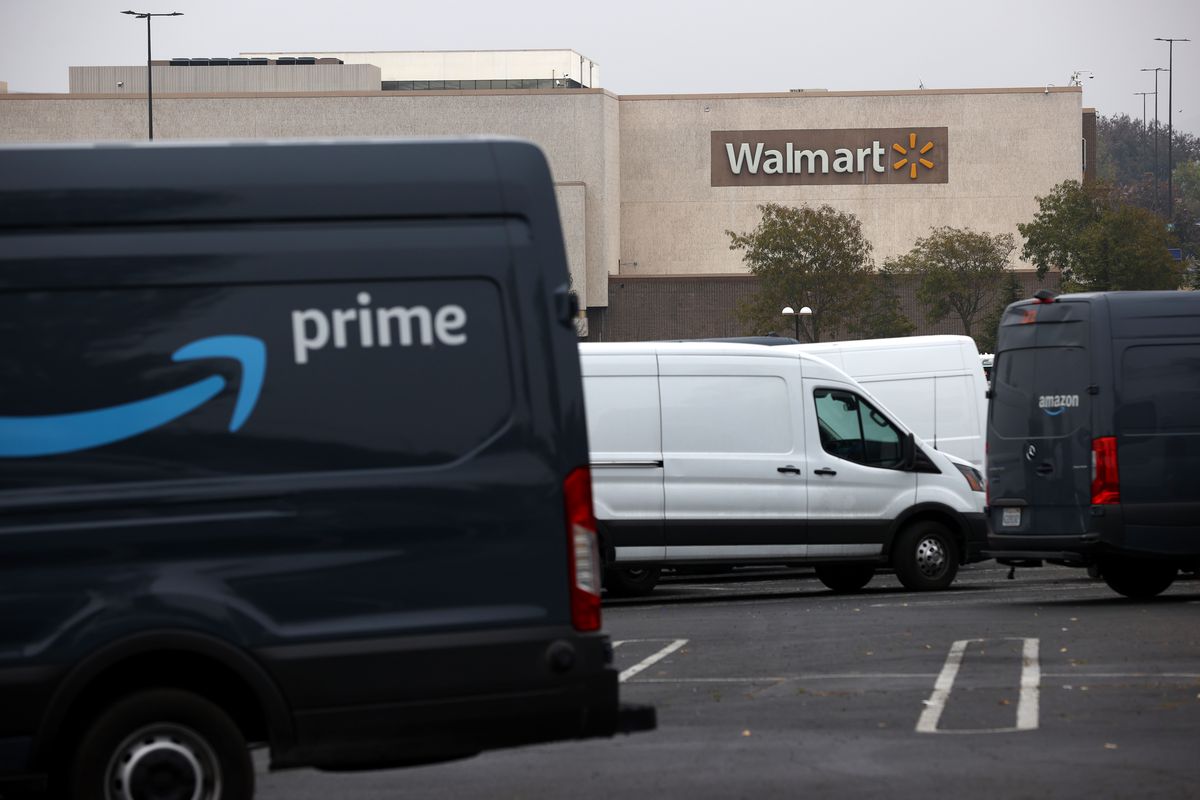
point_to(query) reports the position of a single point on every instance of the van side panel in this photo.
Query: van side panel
(734, 459)
(1156, 355)
(625, 434)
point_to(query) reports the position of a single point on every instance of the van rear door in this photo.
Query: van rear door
(1040, 421)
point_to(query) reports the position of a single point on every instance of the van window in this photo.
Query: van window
(852, 429)
(1040, 392)
(726, 414)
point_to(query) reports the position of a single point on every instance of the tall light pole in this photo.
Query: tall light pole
(147, 15)
(1143, 94)
(1155, 70)
(1170, 129)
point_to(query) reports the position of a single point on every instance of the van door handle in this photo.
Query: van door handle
(824, 471)
(789, 468)
(1044, 469)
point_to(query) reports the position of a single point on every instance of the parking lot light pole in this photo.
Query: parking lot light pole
(1155, 70)
(805, 311)
(147, 15)
(1170, 130)
(1143, 95)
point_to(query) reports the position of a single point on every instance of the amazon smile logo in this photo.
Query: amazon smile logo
(26, 437)
(1055, 404)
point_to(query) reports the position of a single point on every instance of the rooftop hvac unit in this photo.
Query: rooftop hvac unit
(306, 60)
(285, 61)
(218, 62)
(180, 62)
(238, 62)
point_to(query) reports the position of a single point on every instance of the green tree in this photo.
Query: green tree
(959, 273)
(1099, 241)
(816, 257)
(882, 316)
(1011, 291)
(1125, 158)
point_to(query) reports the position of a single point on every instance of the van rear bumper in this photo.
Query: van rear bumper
(1075, 550)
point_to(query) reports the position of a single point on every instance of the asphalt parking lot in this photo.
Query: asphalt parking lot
(768, 685)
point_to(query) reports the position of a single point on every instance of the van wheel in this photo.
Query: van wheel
(631, 581)
(1138, 579)
(845, 577)
(162, 743)
(925, 557)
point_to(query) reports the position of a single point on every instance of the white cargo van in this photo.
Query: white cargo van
(934, 384)
(707, 453)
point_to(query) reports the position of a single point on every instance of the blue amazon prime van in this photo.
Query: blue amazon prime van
(292, 454)
(1094, 436)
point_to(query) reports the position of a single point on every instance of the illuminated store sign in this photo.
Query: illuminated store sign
(830, 157)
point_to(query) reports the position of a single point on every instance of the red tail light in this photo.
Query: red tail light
(1106, 486)
(582, 550)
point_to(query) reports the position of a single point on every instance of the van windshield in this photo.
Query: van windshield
(1039, 392)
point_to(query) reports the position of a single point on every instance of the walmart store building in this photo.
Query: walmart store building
(647, 185)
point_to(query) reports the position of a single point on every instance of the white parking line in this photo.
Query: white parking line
(651, 660)
(849, 676)
(1031, 679)
(1027, 705)
(941, 689)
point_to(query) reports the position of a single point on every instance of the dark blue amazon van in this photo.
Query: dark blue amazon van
(1094, 436)
(292, 454)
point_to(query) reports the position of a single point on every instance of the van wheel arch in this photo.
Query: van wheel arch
(927, 554)
(197, 663)
(947, 517)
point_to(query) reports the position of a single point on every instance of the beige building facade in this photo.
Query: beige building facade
(649, 185)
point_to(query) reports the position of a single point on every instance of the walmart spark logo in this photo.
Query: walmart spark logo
(911, 160)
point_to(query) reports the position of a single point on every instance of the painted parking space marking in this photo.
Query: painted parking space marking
(847, 676)
(1027, 704)
(651, 660)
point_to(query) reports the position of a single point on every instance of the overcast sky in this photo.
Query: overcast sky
(659, 46)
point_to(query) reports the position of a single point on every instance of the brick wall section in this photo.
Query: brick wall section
(643, 308)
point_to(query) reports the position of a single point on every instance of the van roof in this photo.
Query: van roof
(66, 185)
(815, 366)
(884, 344)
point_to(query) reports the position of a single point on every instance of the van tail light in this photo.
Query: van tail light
(1106, 487)
(582, 550)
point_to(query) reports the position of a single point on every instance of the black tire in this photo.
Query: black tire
(845, 577)
(165, 735)
(925, 557)
(1138, 579)
(631, 581)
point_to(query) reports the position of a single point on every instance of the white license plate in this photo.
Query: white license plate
(1011, 518)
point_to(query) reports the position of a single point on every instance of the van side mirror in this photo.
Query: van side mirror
(908, 452)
